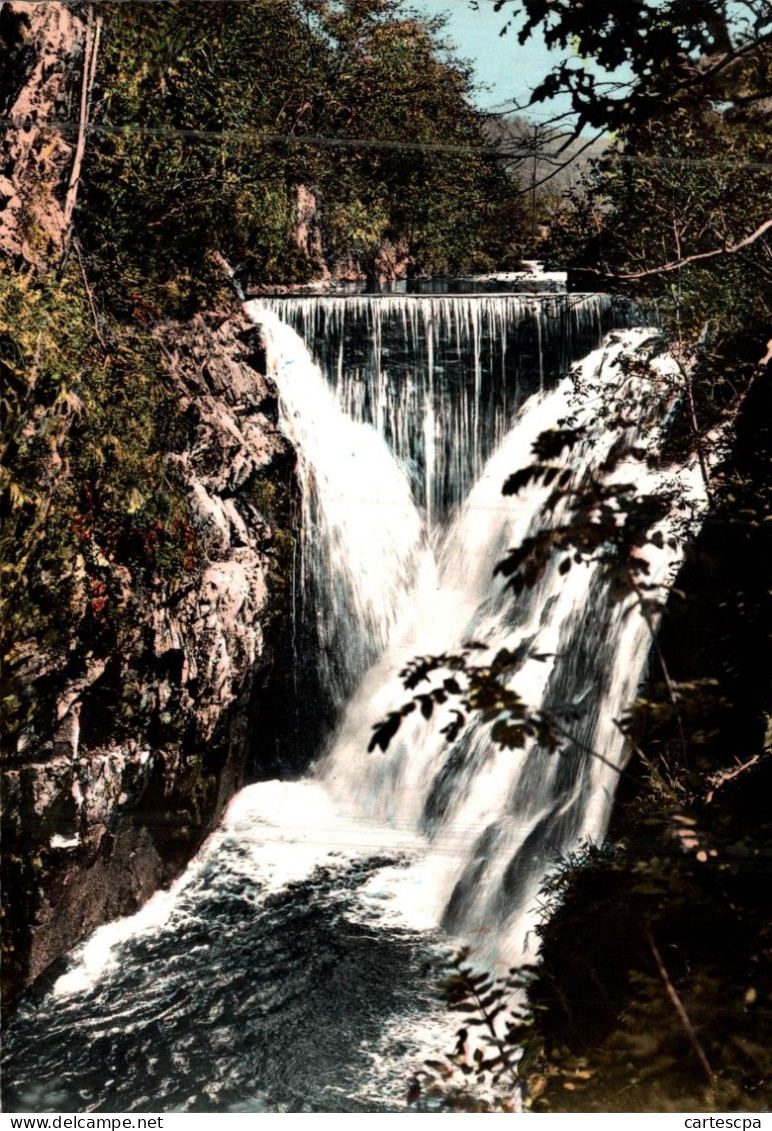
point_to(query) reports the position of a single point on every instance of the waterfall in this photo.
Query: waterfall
(495, 820)
(440, 377)
(306, 922)
(411, 394)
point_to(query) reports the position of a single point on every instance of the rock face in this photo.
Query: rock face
(308, 231)
(106, 811)
(42, 48)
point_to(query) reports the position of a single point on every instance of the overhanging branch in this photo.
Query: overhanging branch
(677, 264)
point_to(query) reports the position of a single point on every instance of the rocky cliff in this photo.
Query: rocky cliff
(151, 739)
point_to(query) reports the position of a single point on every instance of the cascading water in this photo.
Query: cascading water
(441, 377)
(357, 508)
(494, 819)
(304, 923)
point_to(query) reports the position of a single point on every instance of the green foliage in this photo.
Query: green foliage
(494, 1051)
(393, 81)
(92, 513)
(246, 80)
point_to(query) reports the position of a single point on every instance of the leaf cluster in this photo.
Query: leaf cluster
(596, 519)
(481, 689)
(494, 1050)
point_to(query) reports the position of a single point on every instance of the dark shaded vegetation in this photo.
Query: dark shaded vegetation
(656, 953)
(654, 990)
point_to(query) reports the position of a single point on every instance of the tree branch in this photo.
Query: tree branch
(90, 56)
(683, 1016)
(677, 264)
(726, 60)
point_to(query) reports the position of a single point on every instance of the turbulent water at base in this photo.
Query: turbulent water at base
(287, 969)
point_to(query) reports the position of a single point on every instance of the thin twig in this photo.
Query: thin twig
(683, 1016)
(89, 293)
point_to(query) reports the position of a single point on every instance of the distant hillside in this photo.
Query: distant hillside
(523, 139)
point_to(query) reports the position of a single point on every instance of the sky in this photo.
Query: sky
(507, 69)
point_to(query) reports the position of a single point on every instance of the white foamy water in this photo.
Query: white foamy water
(316, 902)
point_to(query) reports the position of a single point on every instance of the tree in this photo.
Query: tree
(356, 102)
(678, 52)
(677, 82)
(648, 222)
(425, 183)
